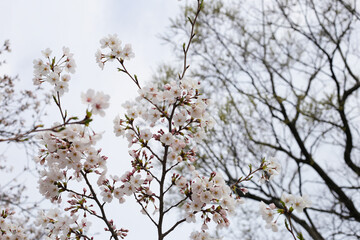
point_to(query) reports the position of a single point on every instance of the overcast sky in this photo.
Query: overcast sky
(33, 25)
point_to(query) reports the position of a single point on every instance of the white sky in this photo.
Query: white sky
(33, 25)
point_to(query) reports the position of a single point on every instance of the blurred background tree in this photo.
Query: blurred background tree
(20, 109)
(20, 112)
(284, 78)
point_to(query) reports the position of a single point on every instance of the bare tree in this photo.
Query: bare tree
(284, 75)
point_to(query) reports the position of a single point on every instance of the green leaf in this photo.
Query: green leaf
(87, 121)
(88, 114)
(190, 20)
(291, 209)
(201, 4)
(60, 129)
(55, 100)
(281, 211)
(300, 236)
(250, 166)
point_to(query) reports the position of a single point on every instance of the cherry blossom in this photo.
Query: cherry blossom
(98, 101)
(52, 70)
(289, 202)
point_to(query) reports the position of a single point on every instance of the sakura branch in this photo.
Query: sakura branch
(163, 126)
(69, 154)
(57, 73)
(186, 47)
(270, 168)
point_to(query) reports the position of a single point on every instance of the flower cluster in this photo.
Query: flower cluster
(200, 236)
(69, 154)
(178, 113)
(65, 156)
(131, 183)
(271, 168)
(295, 202)
(62, 227)
(289, 203)
(268, 213)
(98, 101)
(116, 50)
(210, 196)
(52, 70)
(8, 229)
(176, 105)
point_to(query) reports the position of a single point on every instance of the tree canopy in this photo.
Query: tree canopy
(284, 77)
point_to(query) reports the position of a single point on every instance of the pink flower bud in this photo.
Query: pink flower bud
(272, 206)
